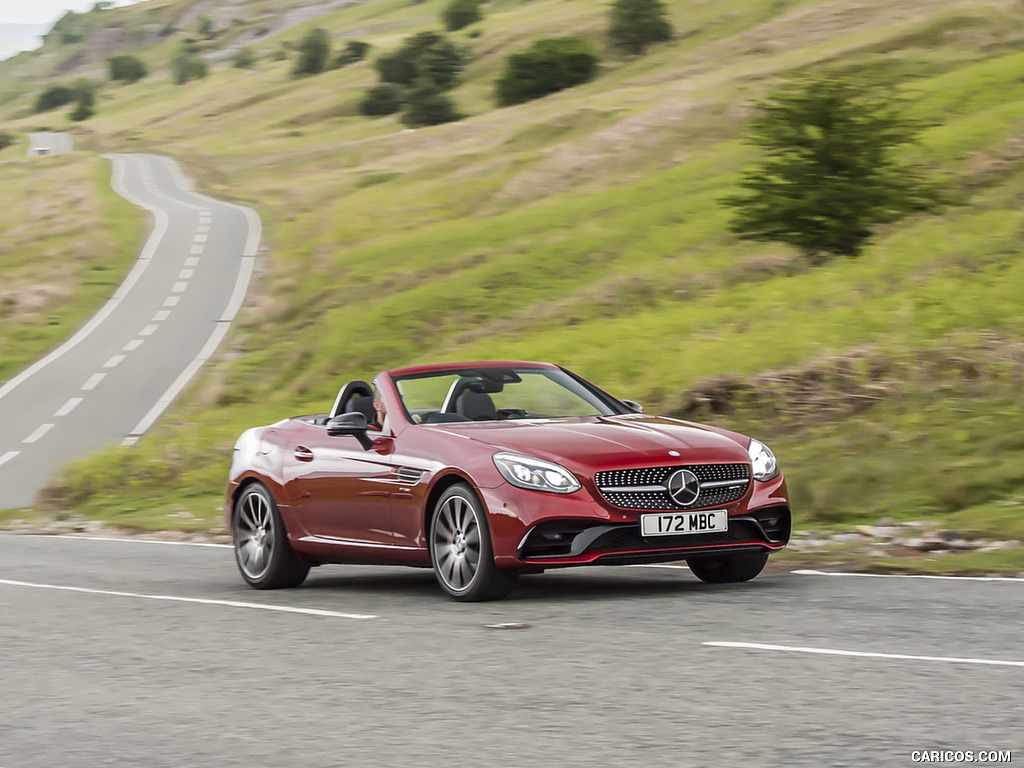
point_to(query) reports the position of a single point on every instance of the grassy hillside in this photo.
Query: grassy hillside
(586, 228)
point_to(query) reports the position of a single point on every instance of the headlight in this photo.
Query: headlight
(535, 474)
(763, 461)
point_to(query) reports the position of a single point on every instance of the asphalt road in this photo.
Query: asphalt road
(49, 143)
(362, 666)
(112, 380)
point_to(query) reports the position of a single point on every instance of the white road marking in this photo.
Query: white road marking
(807, 572)
(149, 330)
(241, 286)
(200, 238)
(865, 654)
(191, 261)
(163, 314)
(196, 249)
(68, 407)
(195, 600)
(93, 380)
(125, 540)
(35, 436)
(132, 345)
(179, 287)
(186, 274)
(114, 361)
(673, 567)
(203, 227)
(8, 456)
(128, 442)
(172, 301)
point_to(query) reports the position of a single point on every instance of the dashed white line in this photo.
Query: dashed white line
(172, 301)
(37, 435)
(191, 261)
(186, 274)
(68, 407)
(203, 228)
(200, 238)
(149, 330)
(196, 249)
(179, 287)
(92, 381)
(8, 456)
(128, 442)
(132, 345)
(163, 314)
(195, 600)
(114, 361)
(865, 654)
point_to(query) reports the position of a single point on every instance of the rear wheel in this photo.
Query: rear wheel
(262, 551)
(460, 549)
(724, 569)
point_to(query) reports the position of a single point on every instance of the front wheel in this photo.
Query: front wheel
(460, 549)
(726, 569)
(262, 551)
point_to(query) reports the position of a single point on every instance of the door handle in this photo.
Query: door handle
(302, 453)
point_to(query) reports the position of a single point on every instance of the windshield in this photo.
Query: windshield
(495, 394)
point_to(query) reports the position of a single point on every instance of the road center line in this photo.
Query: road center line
(132, 345)
(37, 435)
(114, 361)
(172, 301)
(191, 261)
(93, 381)
(68, 407)
(8, 456)
(163, 314)
(196, 600)
(864, 654)
(149, 330)
(195, 249)
(179, 287)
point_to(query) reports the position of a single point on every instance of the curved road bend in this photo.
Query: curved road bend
(109, 382)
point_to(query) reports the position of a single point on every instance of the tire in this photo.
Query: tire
(460, 549)
(262, 552)
(727, 569)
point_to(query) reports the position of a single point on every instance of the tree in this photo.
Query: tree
(354, 50)
(636, 24)
(461, 13)
(187, 66)
(426, 104)
(126, 68)
(314, 51)
(6, 139)
(427, 55)
(53, 97)
(205, 27)
(245, 58)
(829, 176)
(545, 67)
(85, 94)
(383, 99)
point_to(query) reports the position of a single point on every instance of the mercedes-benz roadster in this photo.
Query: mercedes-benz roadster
(483, 471)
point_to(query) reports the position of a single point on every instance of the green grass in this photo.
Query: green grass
(586, 228)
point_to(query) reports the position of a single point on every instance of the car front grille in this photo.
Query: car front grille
(646, 487)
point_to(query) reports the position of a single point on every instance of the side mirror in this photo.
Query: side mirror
(633, 405)
(353, 424)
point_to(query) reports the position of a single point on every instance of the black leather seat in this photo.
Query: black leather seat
(362, 404)
(476, 406)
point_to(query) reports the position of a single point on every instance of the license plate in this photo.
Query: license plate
(677, 523)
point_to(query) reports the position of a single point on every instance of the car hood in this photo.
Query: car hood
(598, 443)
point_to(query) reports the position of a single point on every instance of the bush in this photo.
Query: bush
(6, 139)
(354, 50)
(426, 104)
(187, 66)
(245, 58)
(126, 68)
(425, 56)
(829, 176)
(314, 51)
(53, 97)
(82, 111)
(384, 99)
(545, 67)
(635, 24)
(461, 13)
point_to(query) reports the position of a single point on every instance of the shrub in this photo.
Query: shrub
(384, 99)
(545, 67)
(354, 50)
(425, 56)
(6, 139)
(127, 68)
(245, 58)
(187, 66)
(82, 111)
(461, 13)
(53, 97)
(635, 24)
(829, 177)
(314, 51)
(426, 104)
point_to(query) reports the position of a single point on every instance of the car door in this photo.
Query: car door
(338, 490)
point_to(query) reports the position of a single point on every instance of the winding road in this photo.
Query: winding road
(110, 382)
(130, 653)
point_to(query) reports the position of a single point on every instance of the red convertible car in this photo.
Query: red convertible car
(483, 471)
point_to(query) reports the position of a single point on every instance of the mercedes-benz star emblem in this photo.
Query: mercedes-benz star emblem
(683, 487)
